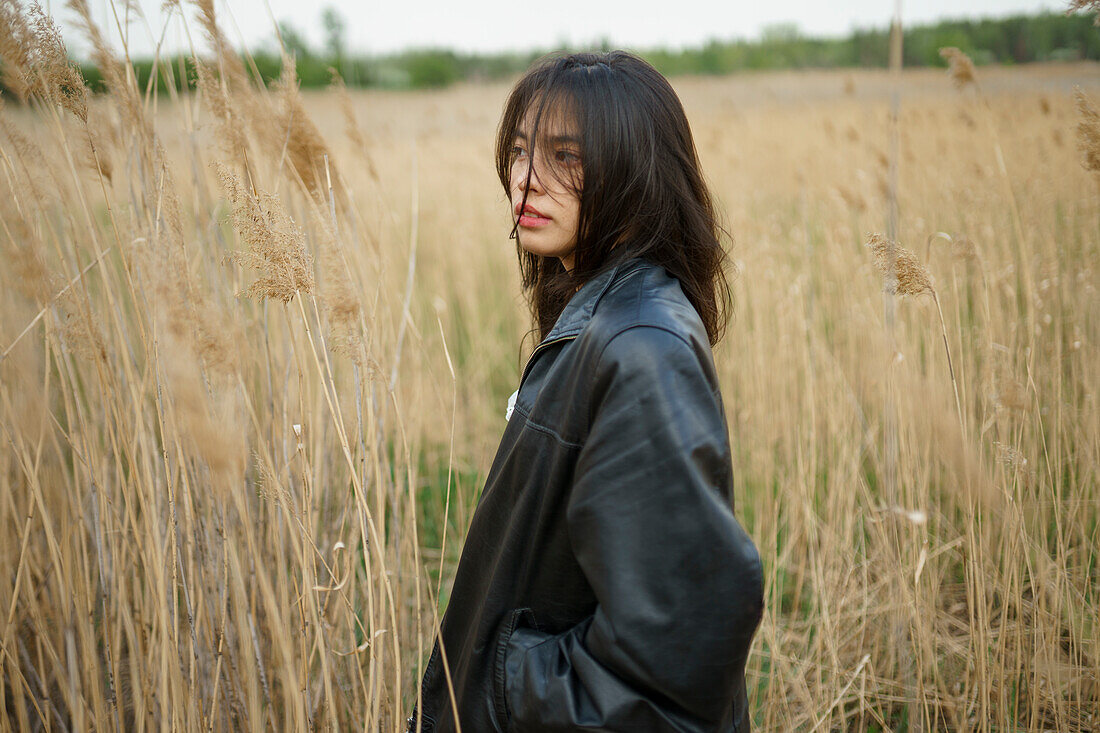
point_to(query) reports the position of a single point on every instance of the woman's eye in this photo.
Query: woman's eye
(568, 157)
(517, 151)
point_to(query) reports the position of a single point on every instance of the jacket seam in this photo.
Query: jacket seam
(632, 326)
(543, 429)
(638, 299)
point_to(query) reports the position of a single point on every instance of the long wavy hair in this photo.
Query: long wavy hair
(640, 187)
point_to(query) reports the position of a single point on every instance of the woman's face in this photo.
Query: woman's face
(548, 220)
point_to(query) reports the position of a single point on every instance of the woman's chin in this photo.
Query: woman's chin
(540, 251)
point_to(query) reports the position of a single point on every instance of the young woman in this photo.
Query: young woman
(605, 583)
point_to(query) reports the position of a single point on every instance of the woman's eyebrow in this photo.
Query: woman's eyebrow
(555, 140)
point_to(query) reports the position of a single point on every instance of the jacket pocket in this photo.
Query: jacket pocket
(500, 699)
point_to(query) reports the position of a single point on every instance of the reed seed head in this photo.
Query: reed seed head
(52, 76)
(1087, 6)
(80, 329)
(342, 307)
(909, 276)
(121, 84)
(233, 71)
(231, 130)
(962, 248)
(351, 125)
(1009, 455)
(1088, 131)
(276, 245)
(15, 43)
(959, 66)
(851, 198)
(24, 255)
(208, 417)
(305, 148)
(1012, 394)
(38, 175)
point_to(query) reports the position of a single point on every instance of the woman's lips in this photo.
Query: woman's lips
(531, 217)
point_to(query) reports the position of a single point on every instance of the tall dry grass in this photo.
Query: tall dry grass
(208, 508)
(257, 345)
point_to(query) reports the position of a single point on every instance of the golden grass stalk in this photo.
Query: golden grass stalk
(1088, 131)
(962, 72)
(351, 124)
(904, 275)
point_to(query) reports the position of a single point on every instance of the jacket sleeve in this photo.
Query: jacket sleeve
(678, 583)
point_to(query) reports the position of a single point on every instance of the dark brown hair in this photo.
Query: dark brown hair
(642, 194)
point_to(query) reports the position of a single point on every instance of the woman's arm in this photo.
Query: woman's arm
(678, 582)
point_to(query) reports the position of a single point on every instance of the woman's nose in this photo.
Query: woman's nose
(525, 177)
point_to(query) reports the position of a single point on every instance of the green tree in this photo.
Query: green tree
(293, 42)
(333, 23)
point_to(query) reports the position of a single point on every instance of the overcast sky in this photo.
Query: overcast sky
(379, 26)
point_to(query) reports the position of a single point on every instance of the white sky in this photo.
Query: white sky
(379, 26)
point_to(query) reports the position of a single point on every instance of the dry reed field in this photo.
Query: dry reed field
(257, 344)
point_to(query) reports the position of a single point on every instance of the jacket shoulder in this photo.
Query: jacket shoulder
(646, 295)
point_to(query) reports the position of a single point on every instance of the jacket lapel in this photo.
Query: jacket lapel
(578, 311)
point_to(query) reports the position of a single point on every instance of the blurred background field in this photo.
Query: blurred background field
(257, 345)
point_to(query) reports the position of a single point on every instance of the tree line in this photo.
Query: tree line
(1010, 40)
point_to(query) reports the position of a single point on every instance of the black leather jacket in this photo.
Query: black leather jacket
(604, 583)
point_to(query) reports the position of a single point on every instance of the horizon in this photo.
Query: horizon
(691, 32)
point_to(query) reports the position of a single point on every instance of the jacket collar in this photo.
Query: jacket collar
(578, 311)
